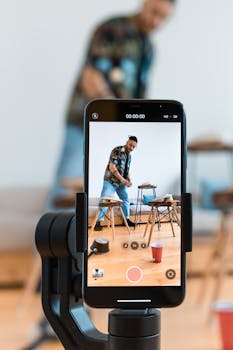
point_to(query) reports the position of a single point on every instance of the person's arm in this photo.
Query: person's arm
(147, 64)
(92, 80)
(115, 172)
(93, 84)
(129, 180)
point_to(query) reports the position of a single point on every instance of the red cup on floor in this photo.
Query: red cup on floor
(224, 311)
(157, 251)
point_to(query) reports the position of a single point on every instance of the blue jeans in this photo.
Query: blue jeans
(109, 190)
(70, 163)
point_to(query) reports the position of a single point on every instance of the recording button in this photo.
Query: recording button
(134, 274)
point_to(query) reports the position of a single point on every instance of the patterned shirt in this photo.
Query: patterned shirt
(123, 56)
(122, 160)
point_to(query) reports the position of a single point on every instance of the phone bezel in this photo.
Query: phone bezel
(157, 296)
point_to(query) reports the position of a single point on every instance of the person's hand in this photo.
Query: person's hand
(129, 183)
(93, 83)
(126, 183)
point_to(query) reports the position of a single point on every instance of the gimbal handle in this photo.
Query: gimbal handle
(62, 296)
(61, 244)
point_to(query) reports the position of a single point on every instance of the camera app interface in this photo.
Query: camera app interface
(134, 204)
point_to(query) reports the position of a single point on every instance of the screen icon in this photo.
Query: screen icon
(95, 116)
(170, 274)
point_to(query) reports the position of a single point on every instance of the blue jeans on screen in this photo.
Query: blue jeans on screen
(109, 190)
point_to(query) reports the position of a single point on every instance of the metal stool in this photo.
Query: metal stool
(111, 203)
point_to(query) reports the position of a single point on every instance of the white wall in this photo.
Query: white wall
(42, 47)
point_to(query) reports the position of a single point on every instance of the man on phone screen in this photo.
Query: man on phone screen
(117, 179)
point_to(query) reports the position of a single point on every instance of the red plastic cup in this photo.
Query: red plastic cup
(157, 251)
(224, 311)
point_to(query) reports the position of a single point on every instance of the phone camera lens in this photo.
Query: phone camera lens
(95, 116)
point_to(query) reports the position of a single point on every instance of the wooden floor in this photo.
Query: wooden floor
(183, 328)
(116, 262)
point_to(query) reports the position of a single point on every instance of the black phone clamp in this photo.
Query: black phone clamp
(60, 242)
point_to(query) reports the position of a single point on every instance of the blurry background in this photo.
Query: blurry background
(42, 49)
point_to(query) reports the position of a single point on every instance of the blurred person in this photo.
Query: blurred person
(117, 65)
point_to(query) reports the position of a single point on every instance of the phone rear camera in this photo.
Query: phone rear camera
(95, 116)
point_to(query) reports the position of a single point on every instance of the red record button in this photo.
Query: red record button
(134, 274)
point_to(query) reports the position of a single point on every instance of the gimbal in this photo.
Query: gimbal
(61, 241)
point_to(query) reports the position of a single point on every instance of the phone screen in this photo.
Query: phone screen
(134, 187)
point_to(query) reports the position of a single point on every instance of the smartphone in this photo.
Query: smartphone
(135, 167)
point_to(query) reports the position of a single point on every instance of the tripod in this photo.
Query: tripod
(61, 243)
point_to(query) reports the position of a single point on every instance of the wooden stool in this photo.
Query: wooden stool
(111, 203)
(154, 214)
(222, 245)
